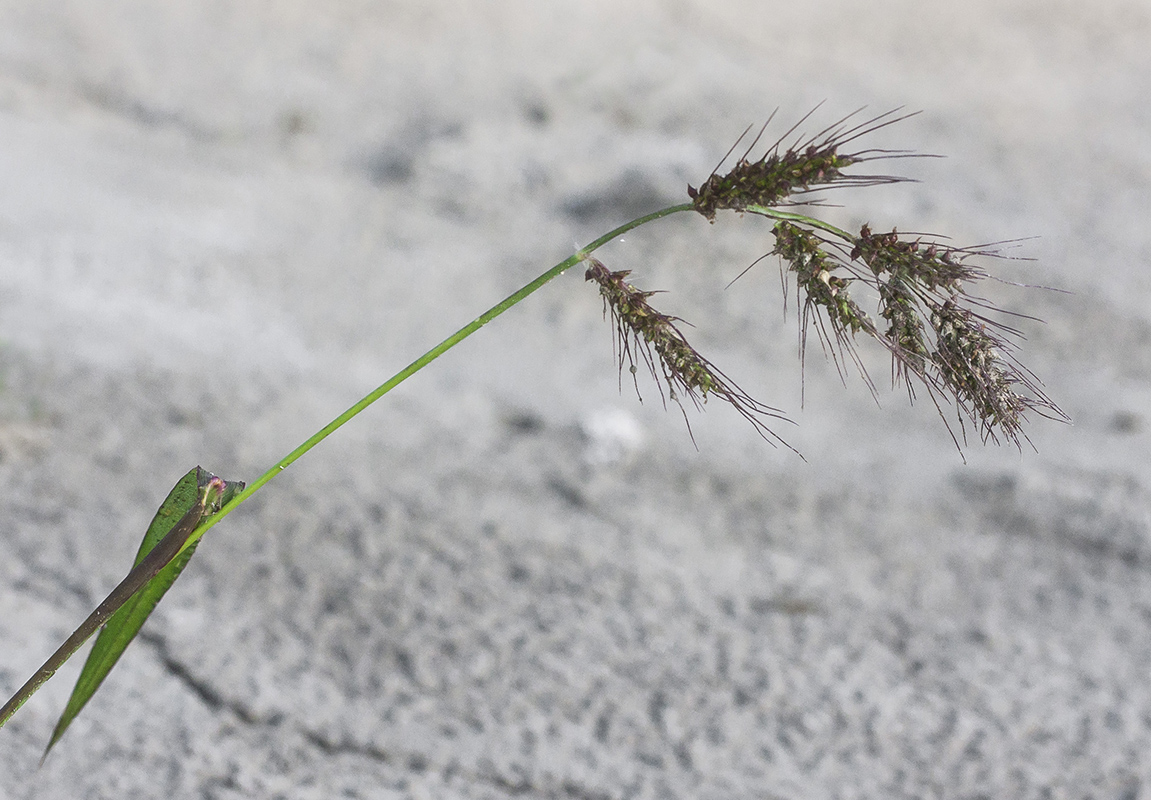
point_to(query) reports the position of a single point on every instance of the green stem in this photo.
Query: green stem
(775, 213)
(424, 360)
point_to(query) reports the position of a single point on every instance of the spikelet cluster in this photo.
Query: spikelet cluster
(937, 333)
(973, 362)
(809, 164)
(642, 333)
(824, 297)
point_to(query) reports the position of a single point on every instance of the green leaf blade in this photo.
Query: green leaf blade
(123, 626)
(163, 554)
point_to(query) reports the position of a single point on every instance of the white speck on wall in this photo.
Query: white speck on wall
(612, 434)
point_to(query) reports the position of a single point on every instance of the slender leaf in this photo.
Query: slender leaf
(123, 626)
(119, 631)
(196, 495)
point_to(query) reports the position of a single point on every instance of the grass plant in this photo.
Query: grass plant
(942, 339)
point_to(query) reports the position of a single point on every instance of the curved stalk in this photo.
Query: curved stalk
(427, 358)
(775, 213)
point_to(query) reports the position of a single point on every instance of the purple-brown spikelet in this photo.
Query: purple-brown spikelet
(934, 268)
(974, 364)
(823, 297)
(807, 165)
(814, 268)
(905, 336)
(678, 368)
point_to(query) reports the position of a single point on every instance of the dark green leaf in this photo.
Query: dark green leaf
(119, 631)
(123, 626)
(197, 495)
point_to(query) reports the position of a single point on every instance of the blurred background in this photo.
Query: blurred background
(222, 223)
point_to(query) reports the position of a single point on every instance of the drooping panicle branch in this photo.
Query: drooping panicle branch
(934, 268)
(974, 363)
(823, 296)
(678, 368)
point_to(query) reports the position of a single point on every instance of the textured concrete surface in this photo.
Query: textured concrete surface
(221, 223)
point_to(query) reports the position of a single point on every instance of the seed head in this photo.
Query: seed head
(933, 268)
(905, 336)
(973, 362)
(678, 368)
(807, 165)
(826, 299)
(935, 330)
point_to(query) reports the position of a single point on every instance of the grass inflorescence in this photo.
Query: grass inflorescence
(940, 336)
